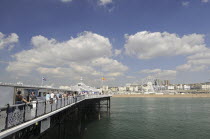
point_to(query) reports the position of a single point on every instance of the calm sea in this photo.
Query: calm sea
(153, 118)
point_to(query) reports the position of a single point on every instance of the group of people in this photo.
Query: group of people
(53, 97)
(19, 99)
(49, 97)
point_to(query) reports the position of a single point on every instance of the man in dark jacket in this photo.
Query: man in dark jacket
(19, 98)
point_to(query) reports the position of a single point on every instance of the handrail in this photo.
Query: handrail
(14, 115)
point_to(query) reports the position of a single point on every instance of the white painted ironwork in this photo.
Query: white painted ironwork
(24, 113)
(54, 106)
(59, 103)
(15, 117)
(48, 107)
(3, 116)
(40, 108)
(28, 113)
(63, 104)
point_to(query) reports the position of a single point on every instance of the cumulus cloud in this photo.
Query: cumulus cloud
(204, 1)
(160, 74)
(66, 1)
(8, 41)
(184, 67)
(130, 77)
(104, 2)
(114, 74)
(166, 74)
(58, 71)
(201, 55)
(185, 3)
(149, 71)
(88, 54)
(199, 68)
(117, 52)
(191, 67)
(196, 62)
(148, 45)
(108, 64)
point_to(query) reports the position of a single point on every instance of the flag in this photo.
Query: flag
(103, 78)
(44, 79)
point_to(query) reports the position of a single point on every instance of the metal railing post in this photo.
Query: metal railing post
(24, 113)
(51, 106)
(57, 103)
(6, 124)
(45, 109)
(36, 109)
(61, 103)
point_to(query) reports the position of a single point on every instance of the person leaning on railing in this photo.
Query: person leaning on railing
(19, 99)
(33, 97)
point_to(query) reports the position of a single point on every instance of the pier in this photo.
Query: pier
(34, 120)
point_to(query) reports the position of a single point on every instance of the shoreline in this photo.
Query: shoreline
(163, 96)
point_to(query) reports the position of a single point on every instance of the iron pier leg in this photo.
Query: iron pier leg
(99, 116)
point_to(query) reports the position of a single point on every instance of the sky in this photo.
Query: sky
(124, 41)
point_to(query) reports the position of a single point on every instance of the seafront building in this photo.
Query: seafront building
(205, 86)
(160, 86)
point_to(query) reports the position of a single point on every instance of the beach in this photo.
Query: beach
(164, 96)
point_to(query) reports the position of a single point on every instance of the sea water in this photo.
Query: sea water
(153, 118)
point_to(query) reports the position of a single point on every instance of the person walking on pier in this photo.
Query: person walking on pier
(48, 97)
(19, 98)
(33, 97)
(33, 100)
(52, 97)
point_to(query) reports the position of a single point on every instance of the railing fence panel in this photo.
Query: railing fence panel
(16, 114)
(3, 116)
(40, 108)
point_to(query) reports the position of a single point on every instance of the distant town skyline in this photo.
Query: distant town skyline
(123, 41)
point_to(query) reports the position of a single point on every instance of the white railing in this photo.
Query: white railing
(14, 115)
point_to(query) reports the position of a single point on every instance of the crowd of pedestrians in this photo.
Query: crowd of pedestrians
(53, 97)
(50, 97)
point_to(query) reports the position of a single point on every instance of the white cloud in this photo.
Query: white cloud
(130, 77)
(117, 52)
(54, 71)
(160, 74)
(200, 58)
(147, 45)
(184, 67)
(149, 71)
(196, 62)
(108, 65)
(66, 1)
(166, 74)
(114, 74)
(8, 41)
(201, 55)
(191, 68)
(185, 3)
(199, 68)
(104, 2)
(69, 59)
(199, 61)
(84, 69)
(204, 1)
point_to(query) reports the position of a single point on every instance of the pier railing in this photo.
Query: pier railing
(13, 115)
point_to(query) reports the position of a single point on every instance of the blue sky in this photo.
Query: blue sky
(117, 25)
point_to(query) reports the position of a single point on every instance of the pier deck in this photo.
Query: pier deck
(17, 117)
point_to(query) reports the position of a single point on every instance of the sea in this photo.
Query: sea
(153, 118)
